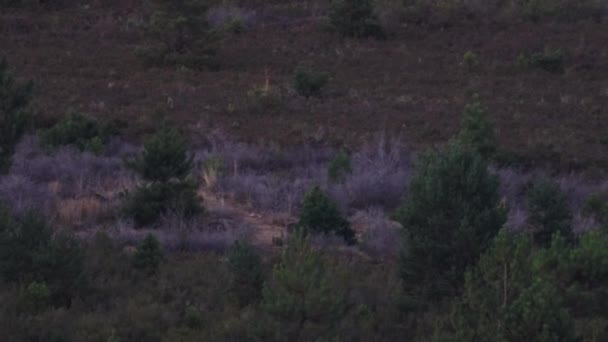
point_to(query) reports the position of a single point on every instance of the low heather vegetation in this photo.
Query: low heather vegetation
(211, 239)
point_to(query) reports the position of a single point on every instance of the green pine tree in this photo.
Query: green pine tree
(507, 299)
(165, 157)
(247, 275)
(23, 243)
(477, 130)
(548, 212)
(299, 300)
(31, 252)
(451, 216)
(148, 255)
(321, 215)
(164, 166)
(339, 167)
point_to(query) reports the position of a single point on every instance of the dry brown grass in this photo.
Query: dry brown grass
(76, 213)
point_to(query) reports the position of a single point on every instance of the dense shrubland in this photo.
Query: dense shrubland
(466, 270)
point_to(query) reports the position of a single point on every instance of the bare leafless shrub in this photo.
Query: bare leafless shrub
(278, 180)
(84, 188)
(268, 192)
(576, 189)
(380, 236)
(78, 173)
(267, 179)
(381, 172)
(240, 157)
(515, 183)
(327, 241)
(177, 233)
(582, 223)
(74, 188)
(21, 194)
(517, 219)
(119, 148)
(215, 232)
(237, 157)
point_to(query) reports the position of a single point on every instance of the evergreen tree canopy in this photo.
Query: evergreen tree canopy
(450, 217)
(477, 131)
(321, 215)
(165, 157)
(299, 299)
(548, 212)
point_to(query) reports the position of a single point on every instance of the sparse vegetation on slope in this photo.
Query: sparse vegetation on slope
(498, 232)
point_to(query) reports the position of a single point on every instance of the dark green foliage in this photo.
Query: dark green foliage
(34, 298)
(299, 299)
(581, 273)
(589, 260)
(165, 157)
(505, 299)
(597, 205)
(79, 130)
(321, 215)
(63, 269)
(247, 275)
(23, 243)
(14, 115)
(149, 255)
(164, 165)
(477, 130)
(30, 252)
(309, 82)
(181, 33)
(521, 292)
(470, 60)
(451, 216)
(539, 314)
(551, 61)
(339, 167)
(549, 212)
(320, 297)
(355, 18)
(148, 202)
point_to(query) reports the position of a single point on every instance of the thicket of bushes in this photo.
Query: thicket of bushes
(461, 276)
(79, 130)
(57, 288)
